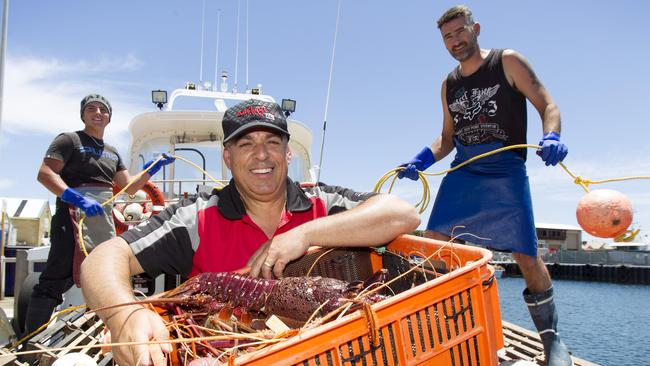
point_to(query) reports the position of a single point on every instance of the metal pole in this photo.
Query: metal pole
(216, 56)
(234, 89)
(3, 48)
(329, 88)
(202, 33)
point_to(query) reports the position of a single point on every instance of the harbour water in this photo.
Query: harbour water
(604, 323)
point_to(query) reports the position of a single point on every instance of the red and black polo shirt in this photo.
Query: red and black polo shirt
(213, 233)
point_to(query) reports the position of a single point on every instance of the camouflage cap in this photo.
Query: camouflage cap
(95, 98)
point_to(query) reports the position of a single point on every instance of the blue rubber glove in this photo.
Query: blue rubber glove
(88, 205)
(421, 162)
(166, 159)
(552, 151)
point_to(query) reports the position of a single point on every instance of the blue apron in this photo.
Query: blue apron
(489, 198)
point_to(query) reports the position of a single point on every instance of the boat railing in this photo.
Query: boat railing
(218, 96)
(164, 184)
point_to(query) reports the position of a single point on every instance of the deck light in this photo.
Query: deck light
(159, 98)
(224, 81)
(288, 106)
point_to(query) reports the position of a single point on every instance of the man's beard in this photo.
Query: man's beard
(467, 51)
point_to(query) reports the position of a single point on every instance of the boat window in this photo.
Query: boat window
(296, 168)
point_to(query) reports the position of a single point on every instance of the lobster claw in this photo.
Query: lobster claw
(355, 288)
(378, 278)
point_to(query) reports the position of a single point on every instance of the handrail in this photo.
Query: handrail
(217, 95)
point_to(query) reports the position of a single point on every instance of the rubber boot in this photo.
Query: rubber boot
(542, 311)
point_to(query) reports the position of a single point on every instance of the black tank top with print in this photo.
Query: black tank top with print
(485, 108)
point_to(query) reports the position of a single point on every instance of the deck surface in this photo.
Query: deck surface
(519, 343)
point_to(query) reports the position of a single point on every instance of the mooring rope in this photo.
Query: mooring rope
(426, 195)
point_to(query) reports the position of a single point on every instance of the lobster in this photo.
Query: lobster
(296, 298)
(205, 304)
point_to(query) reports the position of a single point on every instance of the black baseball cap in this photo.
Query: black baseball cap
(251, 114)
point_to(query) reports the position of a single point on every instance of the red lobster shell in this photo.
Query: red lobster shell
(292, 297)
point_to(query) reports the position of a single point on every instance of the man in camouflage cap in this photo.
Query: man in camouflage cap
(81, 170)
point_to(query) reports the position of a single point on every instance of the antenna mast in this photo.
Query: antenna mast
(234, 89)
(202, 34)
(329, 88)
(247, 45)
(216, 57)
(3, 50)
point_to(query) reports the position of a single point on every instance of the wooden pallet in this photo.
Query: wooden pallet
(523, 344)
(78, 329)
(73, 332)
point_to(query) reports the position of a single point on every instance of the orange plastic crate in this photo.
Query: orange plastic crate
(451, 320)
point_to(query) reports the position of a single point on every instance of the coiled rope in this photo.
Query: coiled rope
(426, 195)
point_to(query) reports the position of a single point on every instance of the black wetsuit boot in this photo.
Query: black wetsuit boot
(542, 310)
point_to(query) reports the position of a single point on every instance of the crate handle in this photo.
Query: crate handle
(489, 281)
(356, 358)
(373, 324)
(455, 314)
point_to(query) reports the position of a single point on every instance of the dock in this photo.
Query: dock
(614, 273)
(83, 333)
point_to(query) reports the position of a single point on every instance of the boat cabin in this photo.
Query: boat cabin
(190, 128)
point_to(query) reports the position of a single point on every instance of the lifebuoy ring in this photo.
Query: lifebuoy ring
(153, 193)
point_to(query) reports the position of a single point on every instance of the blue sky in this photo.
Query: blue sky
(385, 101)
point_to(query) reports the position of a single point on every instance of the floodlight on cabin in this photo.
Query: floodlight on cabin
(288, 106)
(224, 81)
(159, 98)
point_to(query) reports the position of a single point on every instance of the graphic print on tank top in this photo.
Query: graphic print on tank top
(475, 115)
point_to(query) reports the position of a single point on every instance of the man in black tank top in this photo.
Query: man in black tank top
(484, 104)
(74, 162)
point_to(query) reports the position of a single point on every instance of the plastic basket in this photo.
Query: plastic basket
(453, 319)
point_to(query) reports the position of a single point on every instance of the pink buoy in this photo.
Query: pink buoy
(604, 213)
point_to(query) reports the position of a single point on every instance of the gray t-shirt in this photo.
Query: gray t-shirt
(86, 159)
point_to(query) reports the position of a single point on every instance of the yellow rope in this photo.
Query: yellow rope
(426, 195)
(138, 176)
(30, 335)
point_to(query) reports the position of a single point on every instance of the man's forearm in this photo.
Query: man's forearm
(376, 221)
(106, 277)
(442, 147)
(51, 180)
(551, 119)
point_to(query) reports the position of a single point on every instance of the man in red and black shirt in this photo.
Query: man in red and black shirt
(261, 219)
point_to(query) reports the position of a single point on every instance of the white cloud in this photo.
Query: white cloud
(6, 183)
(43, 95)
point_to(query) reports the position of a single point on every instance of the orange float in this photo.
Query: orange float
(604, 213)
